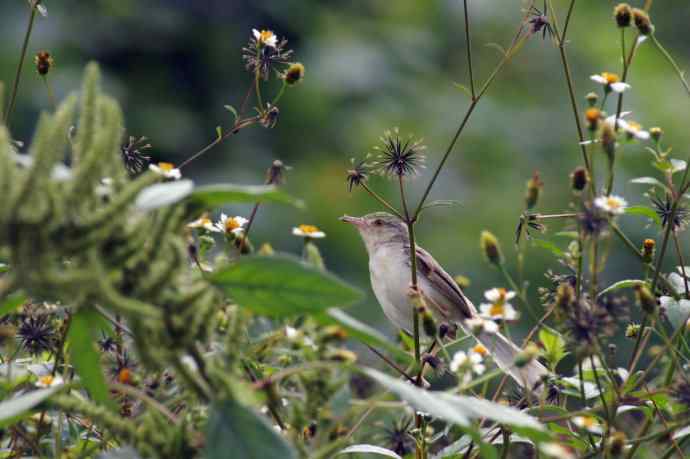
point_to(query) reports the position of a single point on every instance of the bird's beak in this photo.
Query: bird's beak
(357, 221)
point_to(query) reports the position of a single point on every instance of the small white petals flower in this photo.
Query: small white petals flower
(309, 231)
(499, 308)
(588, 423)
(291, 333)
(265, 37)
(557, 450)
(231, 225)
(167, 170)
(614, 205)
(499, 294)
(478, 325)
(49, 381)
(472, 361)
(634, 129)
(611, 82)
(205, 223)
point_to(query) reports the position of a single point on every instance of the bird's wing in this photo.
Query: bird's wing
(445, 285)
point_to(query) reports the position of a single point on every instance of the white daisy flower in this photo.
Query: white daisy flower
(469, 361)
(588, 423)
(478, 325)
(480, 350)
(612, 204)
(309, 231)
(205, 223)
(265, 37)
(611, 82)
(231, 225)
(499, 308)
(49, 381)
(167, 170)
(557, 450)
(633, 129)
(291, 333)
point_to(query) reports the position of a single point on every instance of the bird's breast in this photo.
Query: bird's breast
(390, 281)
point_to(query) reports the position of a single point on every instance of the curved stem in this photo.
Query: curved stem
(20, 66)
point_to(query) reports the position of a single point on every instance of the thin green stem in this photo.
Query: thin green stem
(382, 201)
(667, 56)
(20, 66)
(469, 49)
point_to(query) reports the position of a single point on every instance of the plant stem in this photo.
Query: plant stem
(469, 49)
(20, 66)
(382, 201)
(671, 61)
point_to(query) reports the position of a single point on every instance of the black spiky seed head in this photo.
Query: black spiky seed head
(399, 157)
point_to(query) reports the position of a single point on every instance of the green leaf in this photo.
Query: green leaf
(163, 194)
(362, 332)
(217, 195)
(442, 203)
(11, 303)
(236, 431)
(369, 449)
(628, 283)
(677, 311)
(84, 356)
(219, 133)
(554, 346)
(232, 110)
(454, 408)
(548, 245)
(14, 409)
(283, 286)
(644, 211)
(649, 181)
(568, 234)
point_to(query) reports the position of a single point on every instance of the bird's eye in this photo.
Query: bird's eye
(378, 222)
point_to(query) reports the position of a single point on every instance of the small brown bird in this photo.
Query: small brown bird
(387, 242)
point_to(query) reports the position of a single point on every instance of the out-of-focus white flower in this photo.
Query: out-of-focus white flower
(167, 170)
(472, 361)
(204, 223)
(309, 231)
(231, 225)
(499, 308)
(49, 381)
(588, 423)
(612, 204)
(610, 81)
(479, 325)
(557, 450)
(265, 37)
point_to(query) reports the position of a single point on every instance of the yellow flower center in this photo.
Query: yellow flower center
(265, 35)
(308, 229)
(481, 350)
(46, 380)
(613, 203)
(635, 127)
(232, 224)
(588, 422)
(166, 167)
(497, 309)
(610, 77)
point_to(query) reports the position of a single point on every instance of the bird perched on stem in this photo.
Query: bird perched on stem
(388, 245)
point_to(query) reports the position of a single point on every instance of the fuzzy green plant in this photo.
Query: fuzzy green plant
(71, 234)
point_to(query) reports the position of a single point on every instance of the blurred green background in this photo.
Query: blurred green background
(371, 65)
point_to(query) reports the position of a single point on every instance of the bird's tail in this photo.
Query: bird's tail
(504, 352)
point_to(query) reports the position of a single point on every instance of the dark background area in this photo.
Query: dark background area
(370, 66)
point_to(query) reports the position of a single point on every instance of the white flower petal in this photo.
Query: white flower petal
(620, 86)
(598, 79)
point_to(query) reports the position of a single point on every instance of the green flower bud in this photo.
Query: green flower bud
(490, 247)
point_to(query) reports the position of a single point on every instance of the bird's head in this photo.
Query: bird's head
(378, 228)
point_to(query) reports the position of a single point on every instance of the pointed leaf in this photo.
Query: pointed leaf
(648, 181)
(370, 449)
(454, 408)
(232, 110)
(362, 332)
(628, 283)
(163, 194)
(442, 203)
(14, 409)
(282, 286)
(644, 211)
(84, 356)
(11, 303)
(554, 346)
(548, 245)
(236, 431)
(217, 195)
